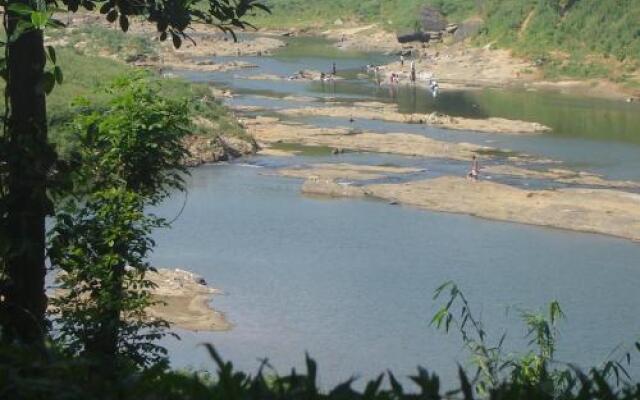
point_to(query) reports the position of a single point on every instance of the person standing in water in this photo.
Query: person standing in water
(333, 69)
(475, 169)
(413, 71)
(402, 60)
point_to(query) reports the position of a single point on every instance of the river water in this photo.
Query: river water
(351, 281)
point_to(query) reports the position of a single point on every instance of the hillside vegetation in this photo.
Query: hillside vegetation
(91, 57)
(585, 38)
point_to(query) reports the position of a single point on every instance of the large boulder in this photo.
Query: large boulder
(468, 28)
(413, 37)
(432, 20)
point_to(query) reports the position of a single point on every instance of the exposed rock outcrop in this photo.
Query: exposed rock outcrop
(204, 149)
(603, 211)
(186, 299)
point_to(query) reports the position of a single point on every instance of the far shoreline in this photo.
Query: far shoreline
(361, 39)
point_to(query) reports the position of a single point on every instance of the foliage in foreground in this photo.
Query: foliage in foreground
(51, 373)
(537, 367)
(130, 157)
(28, 374)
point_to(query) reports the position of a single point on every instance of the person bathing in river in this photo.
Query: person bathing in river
(475, 169)
(413, 71)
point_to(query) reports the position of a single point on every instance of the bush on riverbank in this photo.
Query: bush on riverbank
(50, 373)
(60, 377)
(87, 75)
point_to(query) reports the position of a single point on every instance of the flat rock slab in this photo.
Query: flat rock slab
(603, 211)
(389, 112)
(186, 297)
(345, 171)
(270, 131)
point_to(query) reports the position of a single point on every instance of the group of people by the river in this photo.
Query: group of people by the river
(394, 77)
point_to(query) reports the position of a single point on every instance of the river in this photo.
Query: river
(351, 281)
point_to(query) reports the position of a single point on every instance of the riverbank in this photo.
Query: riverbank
(184, 300)
(461, 65)
(93, 52)
(463, 47)
(179, 297)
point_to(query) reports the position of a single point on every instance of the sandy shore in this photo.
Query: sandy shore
(183, 300)
(368, 38)
(190, 65)
(272, 130)
(345, 171)
(189, 56)
(301, 76)
(215, 44)
(186, 297)
(389, 112)
(601, 211)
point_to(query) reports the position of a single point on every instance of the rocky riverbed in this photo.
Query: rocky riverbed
(389, 112)
(272, 131)
(603, 211)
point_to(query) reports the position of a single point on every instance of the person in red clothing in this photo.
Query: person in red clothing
(475, 169)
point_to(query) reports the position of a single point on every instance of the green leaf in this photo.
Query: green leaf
(555, 312)
(57, 72)
(112, 15)
(22, 27)
(52, 54)
(465, 386)
(20, 9)
(177, 42)
(124, 22)
(39, 19)
(396, 387)
(48, 82)
(439, 317)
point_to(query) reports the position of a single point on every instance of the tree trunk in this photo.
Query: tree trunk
(29, 160)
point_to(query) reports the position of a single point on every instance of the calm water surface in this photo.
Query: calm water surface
(351, 281)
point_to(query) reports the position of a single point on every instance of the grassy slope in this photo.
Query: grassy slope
(393, 14)
(592, 38)
(86, 74)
